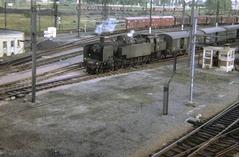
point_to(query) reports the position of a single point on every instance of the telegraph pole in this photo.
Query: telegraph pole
(34, 48)
(78, 16)
(5, 14)
(150, 18)
(193, 47)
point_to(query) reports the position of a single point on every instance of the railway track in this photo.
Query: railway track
(40, 78)
(22, 88)
(219, 137)
(67, 46)
(45, 61)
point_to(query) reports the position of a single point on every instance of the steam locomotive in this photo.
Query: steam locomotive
(123, 51)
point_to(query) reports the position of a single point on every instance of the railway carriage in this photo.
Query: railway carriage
(232, 32)
(212, 35)
(176, 42)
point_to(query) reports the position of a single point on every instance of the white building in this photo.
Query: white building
(11, 42)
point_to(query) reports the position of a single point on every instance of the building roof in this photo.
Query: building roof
(212, 30)
(10, 32)
(177, 35)
(231, 27)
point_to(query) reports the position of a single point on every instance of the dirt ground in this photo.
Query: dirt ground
(118, 116)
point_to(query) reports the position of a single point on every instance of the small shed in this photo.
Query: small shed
(222, 57)
(11, 42)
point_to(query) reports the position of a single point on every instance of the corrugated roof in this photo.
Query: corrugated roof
(212, 30)
(10, 32)
(177, 35)
(231, 27)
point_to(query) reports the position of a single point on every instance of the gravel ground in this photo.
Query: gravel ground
(118, 116)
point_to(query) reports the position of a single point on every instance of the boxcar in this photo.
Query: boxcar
(202, 20)
(144, 22)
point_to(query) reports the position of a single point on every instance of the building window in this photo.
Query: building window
(4, 44)
(12, 44)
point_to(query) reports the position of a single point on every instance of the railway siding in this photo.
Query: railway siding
(217, 137)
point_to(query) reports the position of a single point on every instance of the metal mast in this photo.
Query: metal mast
(183, 14)
(150, 16)
(34, 48)
(5, 14)
(78, 16)
(39, 20)
(55, 12)
(193, 47)
(217, 16)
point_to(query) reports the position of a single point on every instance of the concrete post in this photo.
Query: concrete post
(165, 98)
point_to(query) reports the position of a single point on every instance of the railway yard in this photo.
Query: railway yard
(159, 86)
(113, 114)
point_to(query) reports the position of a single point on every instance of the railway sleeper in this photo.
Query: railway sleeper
(183, 148)
(212, 149)
(202, 154)
(197, 140)
(227, 122)
(171, 153)
(185, 145)
(228, 141)
(233, 113)
(214, 129)
(190, 143)
(205, 135)
(202, 136)
(208, 132)
(220, 145)
(231, 117)
(178, 150)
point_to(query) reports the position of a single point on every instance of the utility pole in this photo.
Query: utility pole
(78, 16)
(150, 17)
(193, 47)
(5, 14)
(34, 48)
(55, 12)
